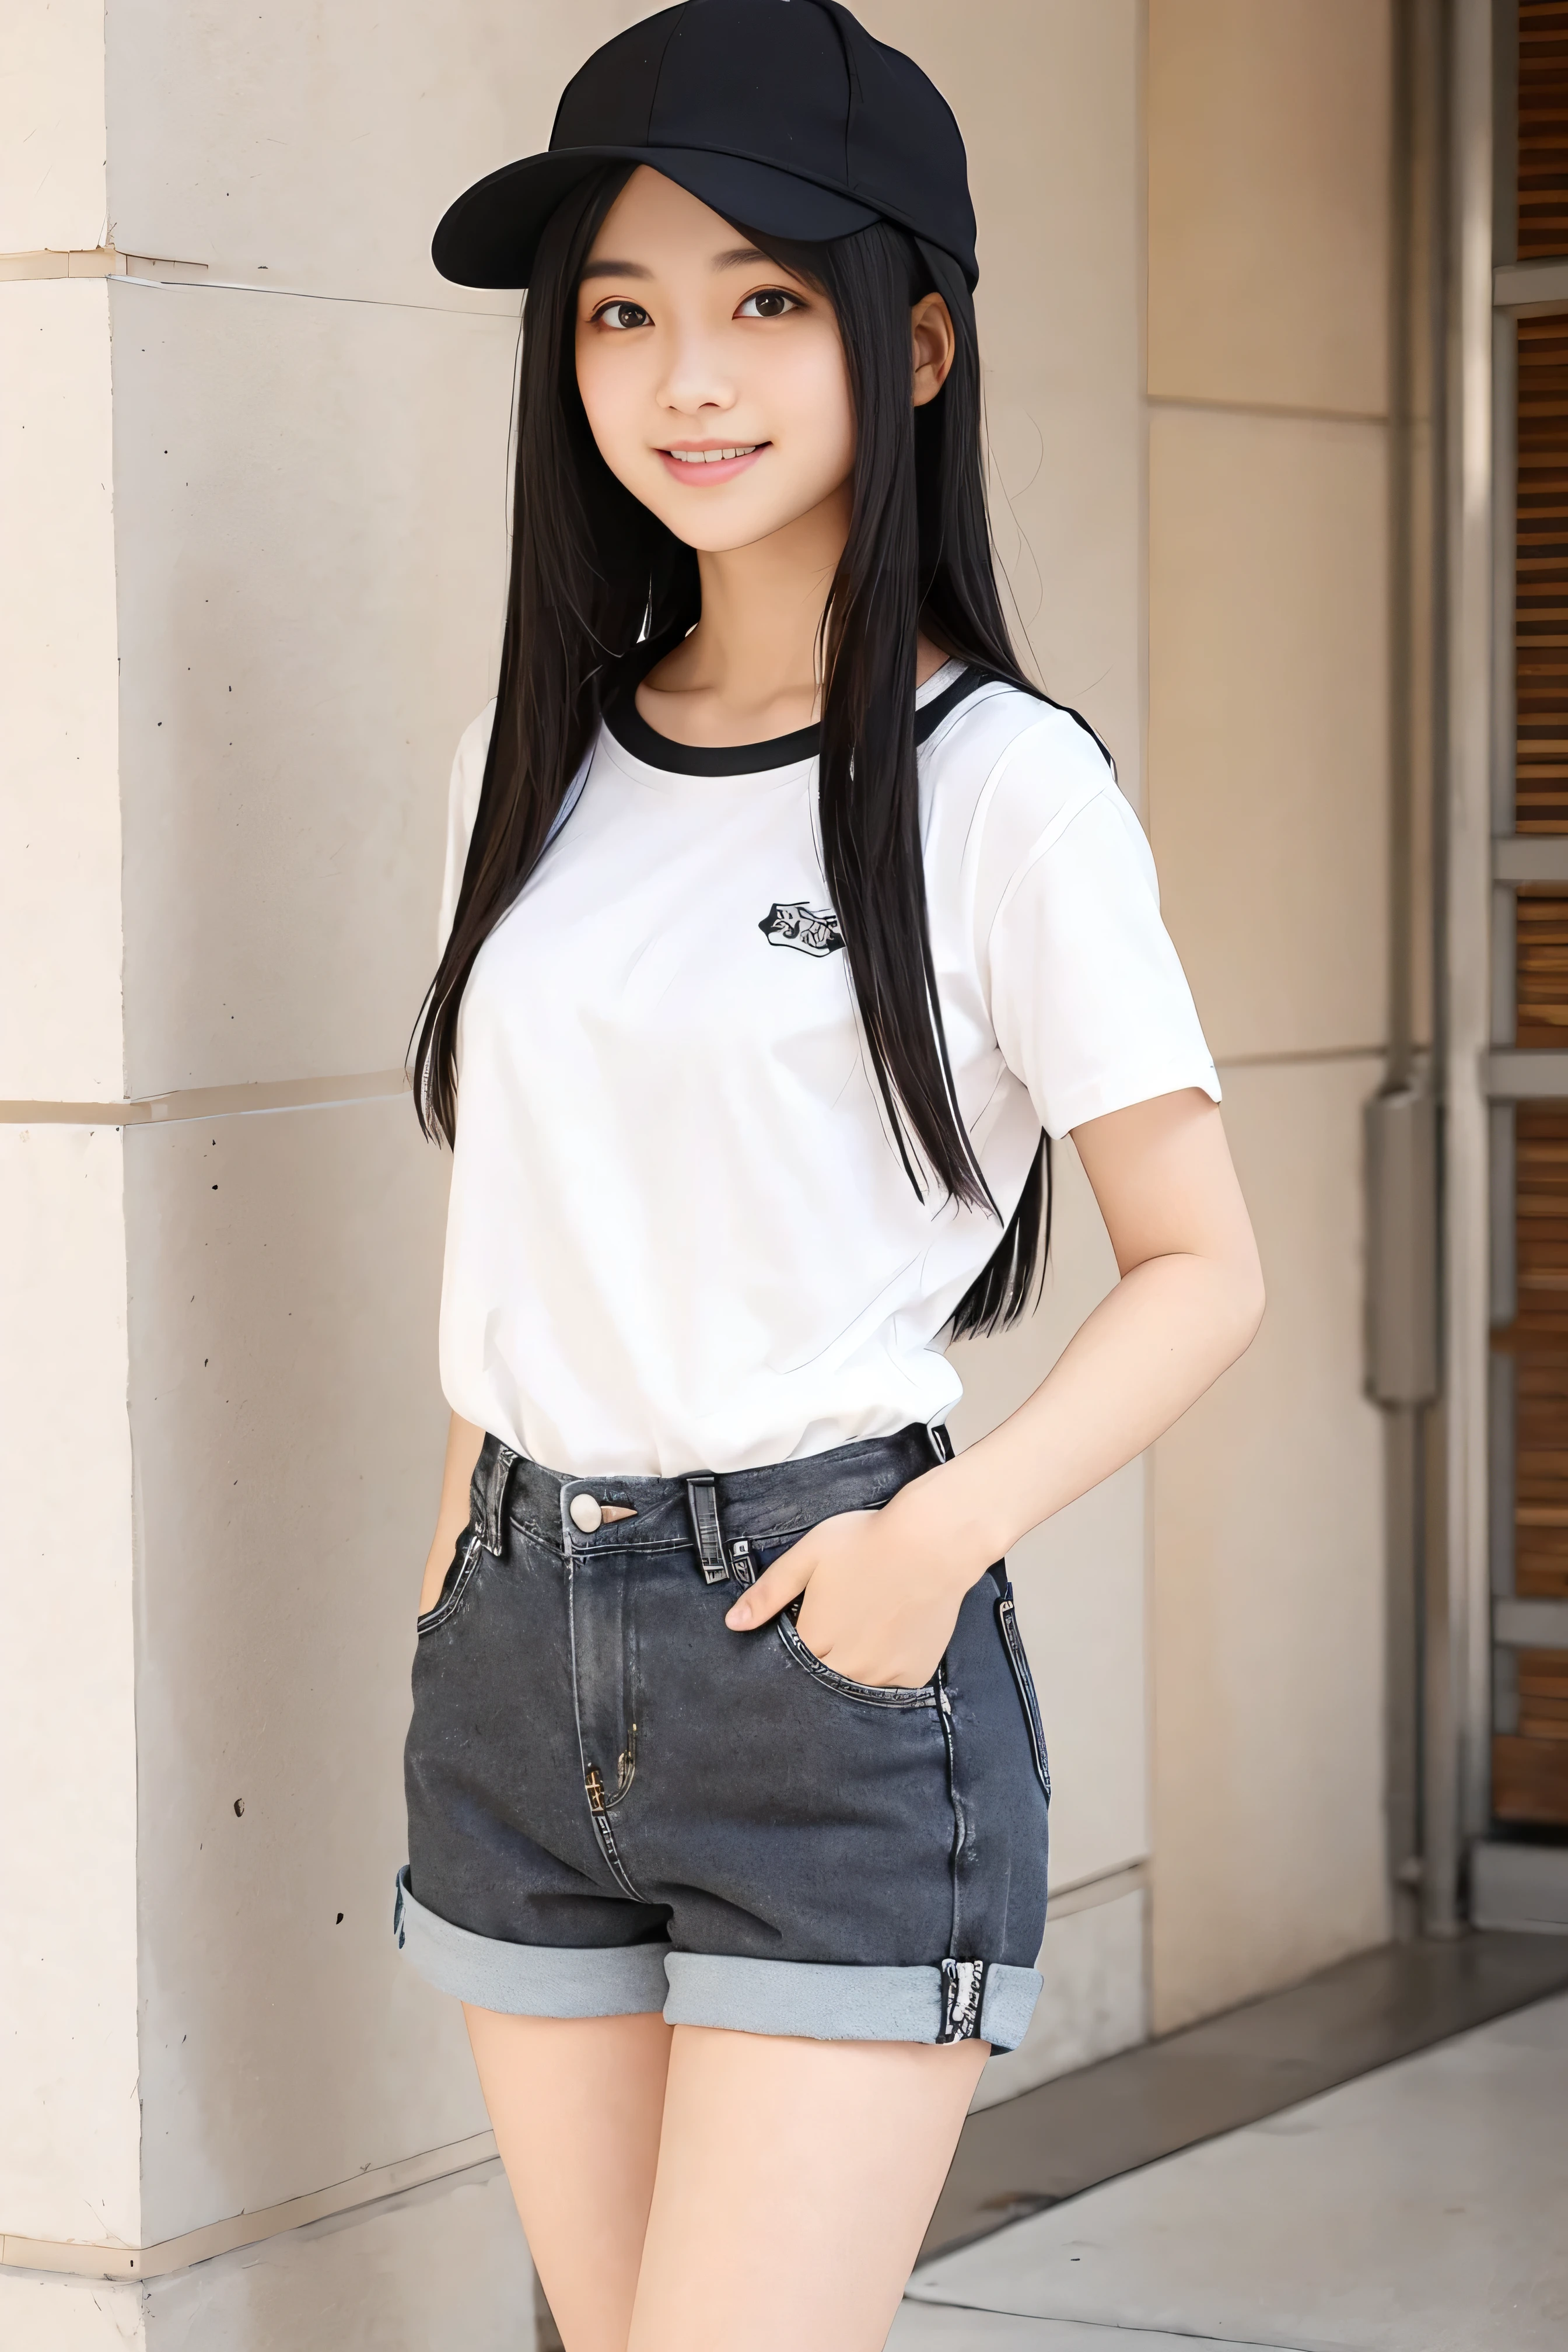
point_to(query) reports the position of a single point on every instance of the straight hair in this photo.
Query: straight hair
(594, 575)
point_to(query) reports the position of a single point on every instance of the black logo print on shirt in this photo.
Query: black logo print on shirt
(813, 930)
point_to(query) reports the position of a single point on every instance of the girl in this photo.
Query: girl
(786, 921)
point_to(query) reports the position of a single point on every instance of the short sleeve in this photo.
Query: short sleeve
(1088, 999)
(462, 808)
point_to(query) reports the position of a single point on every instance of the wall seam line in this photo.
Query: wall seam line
(1093, 1893)
(105, 262)
(1284, 409)
(380, 1085)
(309, 294)
(211, 1102)
(130, 2264)
(1307, 1056)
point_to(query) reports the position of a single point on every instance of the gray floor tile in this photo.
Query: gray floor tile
(1420, 2209)
(1085, 2128)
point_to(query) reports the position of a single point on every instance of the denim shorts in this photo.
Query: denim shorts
(618, 1805)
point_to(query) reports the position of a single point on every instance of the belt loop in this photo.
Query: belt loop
(492, 1496)
(941, 1443)
(702, 1500)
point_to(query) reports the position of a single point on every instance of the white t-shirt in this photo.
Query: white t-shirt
(680, 1237)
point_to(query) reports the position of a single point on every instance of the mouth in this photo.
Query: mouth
(708, 462)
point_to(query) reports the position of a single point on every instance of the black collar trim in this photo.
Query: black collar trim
(633, 733)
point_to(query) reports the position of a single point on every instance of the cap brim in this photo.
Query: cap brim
(489, 236)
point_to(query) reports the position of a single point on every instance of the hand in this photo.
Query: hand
(882, 1590)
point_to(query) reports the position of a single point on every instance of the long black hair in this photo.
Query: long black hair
(593, 573)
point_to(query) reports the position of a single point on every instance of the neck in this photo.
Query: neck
(748, 670)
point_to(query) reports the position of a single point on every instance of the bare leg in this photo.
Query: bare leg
(577, 2105)
(796, 2179)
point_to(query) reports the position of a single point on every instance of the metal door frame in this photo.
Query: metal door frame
(1472, 1618)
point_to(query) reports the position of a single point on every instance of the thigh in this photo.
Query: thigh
(576, 2105)
(796, 2179)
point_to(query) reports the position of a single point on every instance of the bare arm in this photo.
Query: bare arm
(882, 1589)
(463, 1443)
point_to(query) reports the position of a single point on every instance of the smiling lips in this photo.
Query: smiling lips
(708, 462)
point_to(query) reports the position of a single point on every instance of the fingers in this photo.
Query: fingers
(773, 1590)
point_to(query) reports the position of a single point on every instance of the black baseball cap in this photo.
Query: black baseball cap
(781, 114)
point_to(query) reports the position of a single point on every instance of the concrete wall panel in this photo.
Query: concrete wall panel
(1269, 1617)
(52, 135)
(59, 810)
(316, 148)
(440, 2269)
(1093, 2002)
(1269, 203)
(1080, 1579)
(311, 504)
(1046, 95)
(69, 2124)
(288, 1433)
(1269, 742)
(1268, 724)
(42, 2312)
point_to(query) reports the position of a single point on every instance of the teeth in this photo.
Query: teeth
(710, 456)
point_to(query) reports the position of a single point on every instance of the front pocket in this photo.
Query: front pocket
(454, 1586)
(1013, 1643)
(748, 1566)
(895, 1694)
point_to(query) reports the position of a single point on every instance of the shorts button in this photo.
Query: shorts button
(585, 1513)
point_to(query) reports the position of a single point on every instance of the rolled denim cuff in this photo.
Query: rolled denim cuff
(528, 1980)
(824, 2004)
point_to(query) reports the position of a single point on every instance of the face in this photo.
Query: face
(713, 379)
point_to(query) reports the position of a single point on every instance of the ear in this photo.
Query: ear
(935, 345)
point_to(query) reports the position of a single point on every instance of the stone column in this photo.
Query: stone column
(255, 457)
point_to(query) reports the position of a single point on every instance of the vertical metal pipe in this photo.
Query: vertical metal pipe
(1402, 1246)
(1404, 326)
(1456, 1615)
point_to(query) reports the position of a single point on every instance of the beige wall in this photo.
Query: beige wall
(60, 941)
(69, 2121)
(69, 2127)
(1266, 1634)
(1055, 147)
(1268, 175)
(1047, 94)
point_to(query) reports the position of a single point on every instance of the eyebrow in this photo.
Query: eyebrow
(735, 258)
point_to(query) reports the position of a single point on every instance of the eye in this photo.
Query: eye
(773, 302)
(621, 315)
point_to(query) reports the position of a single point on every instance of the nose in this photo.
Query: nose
(694, 383)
